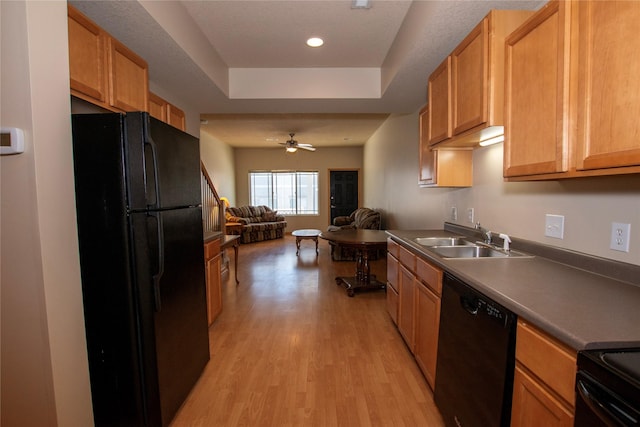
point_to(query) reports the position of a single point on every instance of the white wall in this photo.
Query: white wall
(218, 160)
(589, 205)
(44, 372)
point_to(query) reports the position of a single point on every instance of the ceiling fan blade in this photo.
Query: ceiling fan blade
(305, 145)
(309, 148)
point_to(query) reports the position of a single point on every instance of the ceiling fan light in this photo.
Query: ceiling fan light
(291, 149)
(315, 42)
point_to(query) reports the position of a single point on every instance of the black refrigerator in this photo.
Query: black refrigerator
(138, 203)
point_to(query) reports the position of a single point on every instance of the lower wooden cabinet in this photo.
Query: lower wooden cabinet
(544, 380)
(406, 306)
(534, 405)
(392, 280)
(415, 301)
(213, 265)
(392, 303)
(427, 325)
(428, 295)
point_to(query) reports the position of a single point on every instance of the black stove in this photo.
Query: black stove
(608, 388)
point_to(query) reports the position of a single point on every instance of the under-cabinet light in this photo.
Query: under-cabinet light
(491, 141)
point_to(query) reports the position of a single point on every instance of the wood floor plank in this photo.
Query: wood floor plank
(290, 348)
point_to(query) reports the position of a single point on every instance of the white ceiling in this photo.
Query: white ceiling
(244, 65)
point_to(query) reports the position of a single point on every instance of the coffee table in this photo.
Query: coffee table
(364, 242)
(306, 234)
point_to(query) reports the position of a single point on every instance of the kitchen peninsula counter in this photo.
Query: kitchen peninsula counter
(583, 309)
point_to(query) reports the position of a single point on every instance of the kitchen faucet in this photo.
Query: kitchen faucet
(485, 232)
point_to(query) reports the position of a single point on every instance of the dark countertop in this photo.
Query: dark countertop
(210, 235)
(584, 310)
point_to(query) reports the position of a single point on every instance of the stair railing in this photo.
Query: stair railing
(212, 207)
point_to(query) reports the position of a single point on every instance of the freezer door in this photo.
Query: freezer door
(163, 164)
(173, 303)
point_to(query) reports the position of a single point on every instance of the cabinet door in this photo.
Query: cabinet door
(426, 334)
(392, 304)
(537, 94)
(406, 306)
(427, 156)
(534, 406)
(214, 288)
(129, 78)
(469, 75)
(392, 287)
(175, 117)
(157, 107)
(87, 57)
(213, 267)
(439, 97)
(609, 66)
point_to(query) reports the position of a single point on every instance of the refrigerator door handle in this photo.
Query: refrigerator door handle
(154, 157)
(156, 277)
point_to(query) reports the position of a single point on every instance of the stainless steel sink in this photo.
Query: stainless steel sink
(442, 241)
(473, 251)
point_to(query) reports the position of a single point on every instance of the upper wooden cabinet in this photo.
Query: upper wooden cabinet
(102, 70)
(444, 167)
(466, 91)
(157, 107)
(439, 100)
(571, 92)
(175, 117)
(87, 57)
(166, 112)
(608, 85)
(537, 94)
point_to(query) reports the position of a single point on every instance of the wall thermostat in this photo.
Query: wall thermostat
(11, 141)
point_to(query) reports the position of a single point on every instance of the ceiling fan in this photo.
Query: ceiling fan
(291, 146)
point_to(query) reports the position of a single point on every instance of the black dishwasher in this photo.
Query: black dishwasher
(476, 357)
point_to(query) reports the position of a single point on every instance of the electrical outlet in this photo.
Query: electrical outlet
(470, 215)
(620, 236)
(454, 213)
(554, 226)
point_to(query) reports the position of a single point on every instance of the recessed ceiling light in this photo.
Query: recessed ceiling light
(360, 4)
(315, 42)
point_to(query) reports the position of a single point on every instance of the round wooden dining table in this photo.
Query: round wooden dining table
(364, 243)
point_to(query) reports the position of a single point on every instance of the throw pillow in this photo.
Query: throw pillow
(269, 216)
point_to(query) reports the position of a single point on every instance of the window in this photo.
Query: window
(288, 192)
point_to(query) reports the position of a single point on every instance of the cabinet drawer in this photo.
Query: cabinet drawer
(548, 359)
(407, 258)
(211, 249)
(429, 275)
(392, 247)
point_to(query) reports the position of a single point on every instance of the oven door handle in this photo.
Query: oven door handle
(605, 409)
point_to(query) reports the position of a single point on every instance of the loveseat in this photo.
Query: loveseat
(259, 223)
(361, 218)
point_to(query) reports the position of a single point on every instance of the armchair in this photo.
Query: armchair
(361, 218)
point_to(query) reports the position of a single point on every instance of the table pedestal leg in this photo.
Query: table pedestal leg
(363, 279)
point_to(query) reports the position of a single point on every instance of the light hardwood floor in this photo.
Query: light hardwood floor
(292, 349)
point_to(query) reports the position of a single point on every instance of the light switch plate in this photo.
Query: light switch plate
(470, 215)
(620, 236)
(454, 213)
(554, 226)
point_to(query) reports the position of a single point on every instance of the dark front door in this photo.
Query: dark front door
(343, 192)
